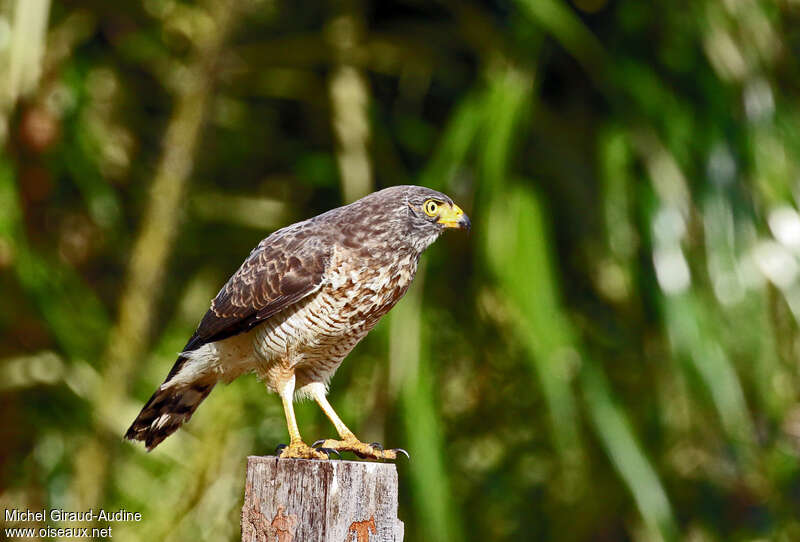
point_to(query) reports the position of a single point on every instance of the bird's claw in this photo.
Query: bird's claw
(300, 450)
(374, 450)
(329, 451)
(398, 451)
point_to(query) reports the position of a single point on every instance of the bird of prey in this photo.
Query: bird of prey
(300, 302)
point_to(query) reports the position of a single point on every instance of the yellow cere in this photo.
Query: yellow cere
(449, 215)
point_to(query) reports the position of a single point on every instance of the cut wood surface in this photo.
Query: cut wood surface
(299, 500)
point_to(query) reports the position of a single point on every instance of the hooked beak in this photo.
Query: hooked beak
(453, 217)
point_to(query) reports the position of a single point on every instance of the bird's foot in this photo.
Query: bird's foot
(300, 450)
(361, 449)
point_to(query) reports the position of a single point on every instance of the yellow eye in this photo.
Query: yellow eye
(430, 207)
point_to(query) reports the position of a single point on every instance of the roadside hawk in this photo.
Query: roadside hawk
(301, 301)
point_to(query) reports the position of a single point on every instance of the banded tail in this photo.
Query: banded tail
(169, 407)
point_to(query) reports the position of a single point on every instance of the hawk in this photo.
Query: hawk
(300, 302)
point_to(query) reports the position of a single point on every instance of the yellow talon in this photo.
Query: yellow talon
(359, 448)
(301, 450)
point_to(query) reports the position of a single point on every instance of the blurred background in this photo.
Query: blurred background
(611, 355)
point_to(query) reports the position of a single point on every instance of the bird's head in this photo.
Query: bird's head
(426, 214)
(403, 216)
(433, 211)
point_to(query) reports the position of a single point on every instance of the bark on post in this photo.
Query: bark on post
(298, 500)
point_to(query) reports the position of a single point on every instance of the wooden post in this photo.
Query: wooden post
(300, 500)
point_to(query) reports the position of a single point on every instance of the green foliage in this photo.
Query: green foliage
(610, 355)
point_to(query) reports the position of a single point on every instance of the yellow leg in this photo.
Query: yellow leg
(297, 448)
(287, 395)
(349, 442)
(317, 391)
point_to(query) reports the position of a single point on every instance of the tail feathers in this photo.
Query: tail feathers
(167, 409)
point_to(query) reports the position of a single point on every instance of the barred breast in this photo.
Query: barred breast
(312, 337)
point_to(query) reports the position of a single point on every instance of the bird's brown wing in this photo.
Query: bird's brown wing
(283, 269)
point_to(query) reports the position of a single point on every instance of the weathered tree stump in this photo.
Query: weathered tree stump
(298, 500)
